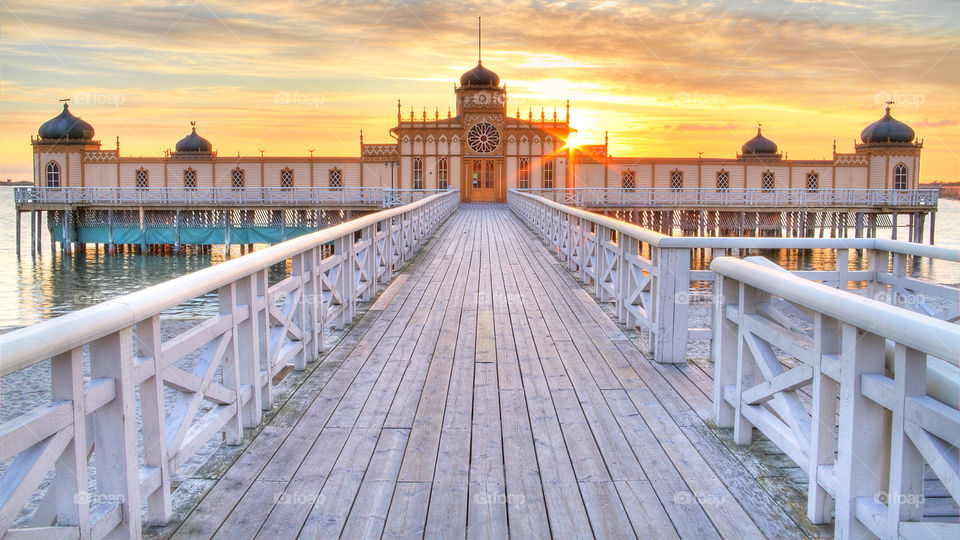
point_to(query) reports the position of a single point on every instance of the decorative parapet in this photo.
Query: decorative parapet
(103, 156)
(379, 152)
(851, 160)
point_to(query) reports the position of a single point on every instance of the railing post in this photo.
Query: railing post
(70, 480)
(115, 431)
(823, 414)
(860, 434)
(153, 420)
(726, 292)
(248, 337)
(747, 370)
(231, 369)
(672, 292)
(300, 268)
(905, 496)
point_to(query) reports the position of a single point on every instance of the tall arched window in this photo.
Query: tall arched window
(813, 181)
(418, 173)
(628, 178)
(53, 174)
(723, 180)
(286, 179)
(237, 177)
(900, 176)
(523, 173)
(676, 180)
(548, 174)
(190, 179)
(143, 178)
(767, 181)
(336, 178)
(443, 172)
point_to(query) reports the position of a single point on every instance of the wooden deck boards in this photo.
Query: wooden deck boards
(488, 396)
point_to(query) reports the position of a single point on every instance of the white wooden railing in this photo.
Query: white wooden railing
(222, 196)
(260, 329)
(648, 275)
(882, 385)
(712, 198)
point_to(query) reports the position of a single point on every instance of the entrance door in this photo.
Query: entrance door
(483, 179)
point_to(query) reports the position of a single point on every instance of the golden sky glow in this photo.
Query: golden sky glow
(665, 79)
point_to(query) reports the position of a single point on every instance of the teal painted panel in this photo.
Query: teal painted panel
(157, 235)
(93, 235)
(201, 236)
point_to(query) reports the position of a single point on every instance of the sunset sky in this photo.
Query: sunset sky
(664, 78)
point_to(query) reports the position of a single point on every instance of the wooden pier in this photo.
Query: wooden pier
(487, 395)
(523, 373)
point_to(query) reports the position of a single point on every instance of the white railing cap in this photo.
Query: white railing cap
(26, 346)
(927, 334)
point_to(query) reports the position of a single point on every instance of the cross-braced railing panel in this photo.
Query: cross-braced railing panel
(151, 402)
(650, 278)
(882, 388)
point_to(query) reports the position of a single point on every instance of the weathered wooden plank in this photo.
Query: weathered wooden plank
(369, 513)
(487, 508)
(526, 509)
(329, 513)
(408, 511)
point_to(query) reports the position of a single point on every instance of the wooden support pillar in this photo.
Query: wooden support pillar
(226, 233)
(66, 230)
(33, 232)
(176, 234)
(894, 219)
(18, 233)
(933, 223)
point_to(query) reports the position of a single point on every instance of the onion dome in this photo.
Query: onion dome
(479, 76)
(758, 145)
(66, 126)
(887, 129)
(194, 144)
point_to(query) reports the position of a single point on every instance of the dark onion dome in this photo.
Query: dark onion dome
(759, 145)
(479, 76)
(66, 126)
(194, 144)
(887, 129)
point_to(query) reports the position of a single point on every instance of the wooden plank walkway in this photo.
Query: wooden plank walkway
(486, 395)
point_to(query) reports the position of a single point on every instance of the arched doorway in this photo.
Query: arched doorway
(483, 179)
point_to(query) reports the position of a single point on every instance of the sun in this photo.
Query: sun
(575, 140)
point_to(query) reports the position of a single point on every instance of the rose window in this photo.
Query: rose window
(483, 138)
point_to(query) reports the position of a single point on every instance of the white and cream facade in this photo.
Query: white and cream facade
(481, 151)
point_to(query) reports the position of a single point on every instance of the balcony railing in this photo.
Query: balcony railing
(712, 197)
(225, 196)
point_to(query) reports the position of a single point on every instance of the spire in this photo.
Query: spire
(479, 40)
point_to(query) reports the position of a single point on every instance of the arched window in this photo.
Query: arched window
(548, 174)
(723, 180)
(443, 172)
(628, 178)
(190, 179)
(676, 180)
(143, 178)
(813, 181)
(523, 173)
(418, 173)
(336, 178)
(900, 176)
(53, 174)
(286, 179)
(237, 177)
(767, 182)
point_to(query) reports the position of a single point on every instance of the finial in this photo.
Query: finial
(448, 112)
(424, 114)
(699, 155)
(889, 103)
(311, 152)
(64, 101)
(554, 115)
(261, 152)
(606, 138)
(361, 136)
(398, 111)
(568, 111)
(518, 112)
(542, 116)
(436, 113)
(530, 114)
(411, 114)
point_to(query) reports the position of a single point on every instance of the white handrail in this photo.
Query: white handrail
(260, 329)
(653, 292)
(866, 438)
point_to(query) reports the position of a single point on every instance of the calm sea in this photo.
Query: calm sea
(33, 289)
